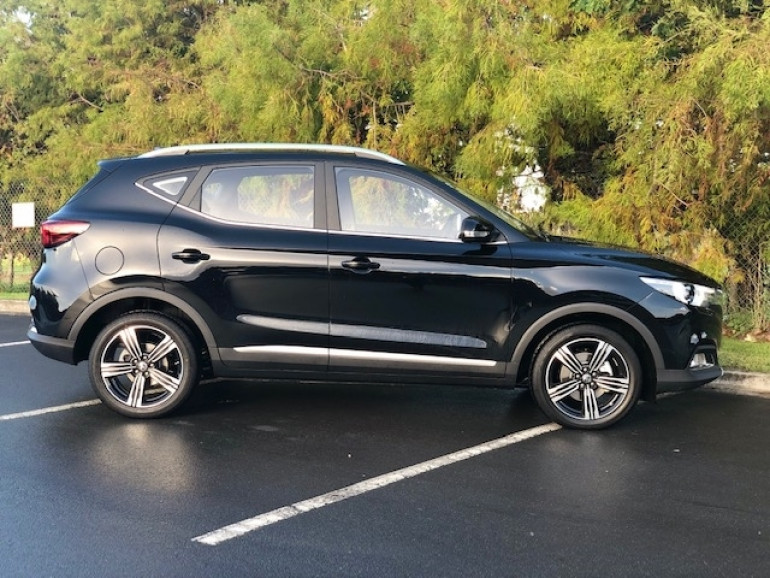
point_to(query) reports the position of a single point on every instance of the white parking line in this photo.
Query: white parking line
(251, 524)
(45, 410)
(14, 343)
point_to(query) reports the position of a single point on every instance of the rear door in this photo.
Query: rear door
(250, 253)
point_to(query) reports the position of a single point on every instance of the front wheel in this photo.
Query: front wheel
(586, 377)
(143, 365)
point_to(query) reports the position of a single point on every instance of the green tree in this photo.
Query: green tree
(649, 119)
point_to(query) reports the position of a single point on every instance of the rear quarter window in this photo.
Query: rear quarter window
(168, 185)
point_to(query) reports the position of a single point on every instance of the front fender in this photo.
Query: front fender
(570, 314)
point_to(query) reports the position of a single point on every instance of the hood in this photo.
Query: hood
(645, 264)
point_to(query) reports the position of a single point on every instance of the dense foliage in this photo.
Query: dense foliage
(650, 120)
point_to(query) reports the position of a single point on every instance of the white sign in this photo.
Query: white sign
(23, 215)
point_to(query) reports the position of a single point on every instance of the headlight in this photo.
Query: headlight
(687, 293)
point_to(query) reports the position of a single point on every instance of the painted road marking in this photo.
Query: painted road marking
(14, 343)
(249, 525)
(45, 410)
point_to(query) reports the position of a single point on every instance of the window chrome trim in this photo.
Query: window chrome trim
(156, 194)
(252, 225)
(392, 236)
(413, 238)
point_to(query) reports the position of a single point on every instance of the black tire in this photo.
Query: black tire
(586, 377)
(143, 365)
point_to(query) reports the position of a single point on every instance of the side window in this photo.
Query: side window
(171, 186)
(261, 195)
(374, 202)
(168, 185)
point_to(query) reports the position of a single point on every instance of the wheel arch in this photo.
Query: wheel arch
(117, 303)
(622, 322)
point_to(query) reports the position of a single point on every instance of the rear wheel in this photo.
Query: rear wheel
(586, 377)
(143, 365)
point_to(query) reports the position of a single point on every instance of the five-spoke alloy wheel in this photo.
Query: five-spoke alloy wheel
(143, 365)
(586, 376)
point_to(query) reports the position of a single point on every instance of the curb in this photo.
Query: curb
(742, 382)
(14, 306)
(738, 382)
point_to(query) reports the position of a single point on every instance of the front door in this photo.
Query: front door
(405, 293)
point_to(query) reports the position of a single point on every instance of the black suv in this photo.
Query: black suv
(308, 261)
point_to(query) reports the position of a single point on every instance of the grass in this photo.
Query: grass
(745, 356)
(15, 295)
(23, 269)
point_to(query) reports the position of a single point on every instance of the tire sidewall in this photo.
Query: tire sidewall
(186, 352)
(558, 339)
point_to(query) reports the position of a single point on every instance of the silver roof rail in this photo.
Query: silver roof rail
(269, 147)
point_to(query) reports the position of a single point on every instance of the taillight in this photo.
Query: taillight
(55, 233)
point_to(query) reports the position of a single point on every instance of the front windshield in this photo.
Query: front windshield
(517, 224)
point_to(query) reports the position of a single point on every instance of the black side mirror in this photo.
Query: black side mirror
(475, 230)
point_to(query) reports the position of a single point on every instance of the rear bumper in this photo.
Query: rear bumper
(53, 347)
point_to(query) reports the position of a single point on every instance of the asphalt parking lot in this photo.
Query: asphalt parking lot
(301, 479)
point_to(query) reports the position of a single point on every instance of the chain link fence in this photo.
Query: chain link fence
(747, 287)
(21, 212)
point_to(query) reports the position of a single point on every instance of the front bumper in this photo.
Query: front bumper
(687, 339)
(53, 347)
(704, 367)
(684, 379)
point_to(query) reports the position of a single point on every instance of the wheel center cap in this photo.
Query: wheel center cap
(143, 366)
(587, 378)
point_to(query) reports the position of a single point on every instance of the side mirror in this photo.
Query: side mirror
(475, 230)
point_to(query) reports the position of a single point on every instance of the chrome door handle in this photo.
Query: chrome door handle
(190, 256)
(361, 265)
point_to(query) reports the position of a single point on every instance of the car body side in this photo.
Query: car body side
(523, 289)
